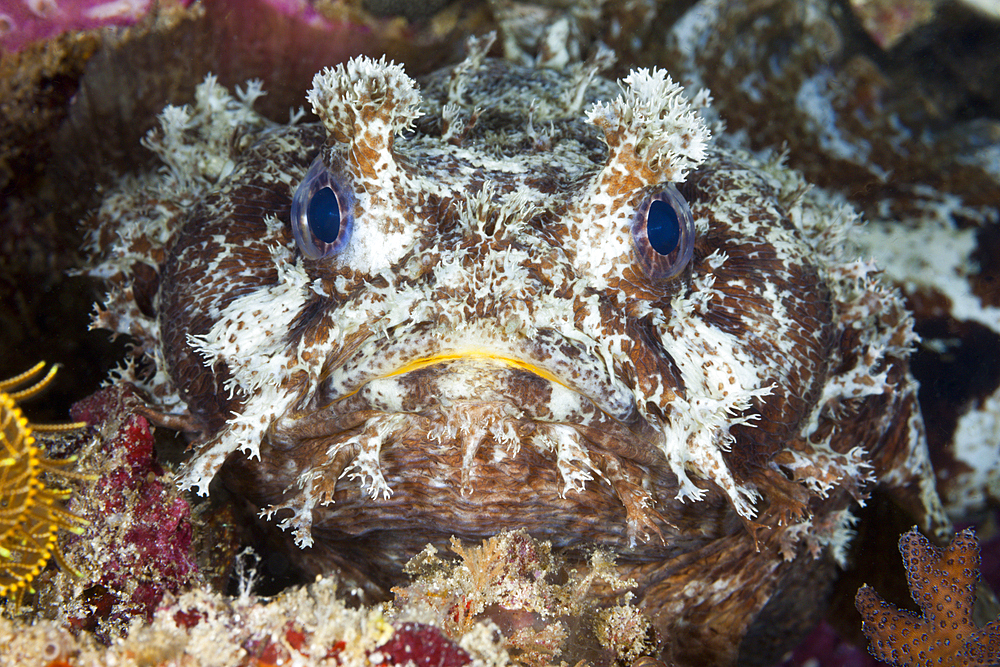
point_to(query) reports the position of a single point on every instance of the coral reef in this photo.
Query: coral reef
(441, 619)
(943, 584)
(138, 545)
(306, 626)
(885, 103)
(511, 580)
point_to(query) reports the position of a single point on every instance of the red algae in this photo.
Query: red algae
(423, 645)
(139, 546)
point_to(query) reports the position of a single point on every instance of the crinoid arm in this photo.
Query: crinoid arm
(31, 513)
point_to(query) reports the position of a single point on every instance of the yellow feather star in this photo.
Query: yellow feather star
(31, 513)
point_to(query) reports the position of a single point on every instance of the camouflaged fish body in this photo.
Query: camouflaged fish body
(444, 311)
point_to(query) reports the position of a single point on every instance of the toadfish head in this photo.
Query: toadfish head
(514, 297)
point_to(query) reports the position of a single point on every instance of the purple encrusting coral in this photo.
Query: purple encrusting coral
(140, 520)
(25, 21)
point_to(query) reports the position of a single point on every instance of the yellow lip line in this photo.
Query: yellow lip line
(423, 362)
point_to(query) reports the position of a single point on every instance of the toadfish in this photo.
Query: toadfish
(512, 297)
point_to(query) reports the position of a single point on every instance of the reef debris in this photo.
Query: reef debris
(307, 626)
(545, 609)
(425, 625)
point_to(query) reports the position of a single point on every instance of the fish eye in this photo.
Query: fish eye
(322, 213)
(663, 234)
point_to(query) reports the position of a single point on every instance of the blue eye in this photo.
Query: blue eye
(322, 213)
(663, 234)
(663, 227)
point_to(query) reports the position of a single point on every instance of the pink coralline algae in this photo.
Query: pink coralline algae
(25, 21)
(140, 543)
(423, 645)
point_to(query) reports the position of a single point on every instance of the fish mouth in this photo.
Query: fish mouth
(467, 391)
(437, 369)
(405, 412)
(446, 380)
(474, 355)
(550, 393)
(464, 397)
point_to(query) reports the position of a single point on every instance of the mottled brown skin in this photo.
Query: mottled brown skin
(375, 538)
(745, 313)
(705, 574)
(903, 142)
(191, 285)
